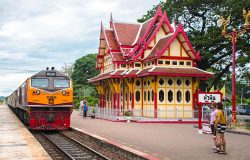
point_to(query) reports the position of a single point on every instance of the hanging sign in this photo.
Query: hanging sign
(209, 97)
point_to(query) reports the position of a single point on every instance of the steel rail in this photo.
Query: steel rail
(72, 145)
(85, 146)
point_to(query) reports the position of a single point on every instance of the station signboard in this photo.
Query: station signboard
(207, 98)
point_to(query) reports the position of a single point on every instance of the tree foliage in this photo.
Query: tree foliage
(199, 18)
(67, 69)
(84, 69)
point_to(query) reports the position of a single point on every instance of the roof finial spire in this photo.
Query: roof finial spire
(111, 20)
(159, 10)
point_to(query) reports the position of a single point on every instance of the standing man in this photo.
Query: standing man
(85, 108)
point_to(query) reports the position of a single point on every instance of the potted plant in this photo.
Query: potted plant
(93, 114)
(128, 115)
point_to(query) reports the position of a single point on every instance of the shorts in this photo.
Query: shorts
(221, 128)
(213, 129)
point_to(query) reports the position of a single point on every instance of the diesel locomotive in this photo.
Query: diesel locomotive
(44, 101)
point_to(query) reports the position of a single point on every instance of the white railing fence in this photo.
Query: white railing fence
(150, 113)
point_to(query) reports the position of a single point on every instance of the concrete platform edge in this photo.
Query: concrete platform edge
(128, 149)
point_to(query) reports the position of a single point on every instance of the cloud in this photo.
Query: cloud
(35, 34)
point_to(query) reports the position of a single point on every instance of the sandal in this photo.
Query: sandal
(222, 152)
(217, 151)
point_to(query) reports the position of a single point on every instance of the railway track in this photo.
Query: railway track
(67, 148)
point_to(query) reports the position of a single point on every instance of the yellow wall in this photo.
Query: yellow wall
(174, 108)
(160, 34)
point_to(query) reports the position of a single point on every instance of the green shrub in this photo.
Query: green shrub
(128, 113)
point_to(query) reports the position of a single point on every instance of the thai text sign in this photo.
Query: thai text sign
(209, 97)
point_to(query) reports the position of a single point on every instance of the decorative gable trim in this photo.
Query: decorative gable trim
(179, 30)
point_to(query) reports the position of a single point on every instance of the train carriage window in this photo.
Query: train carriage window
(61, 83)
(40, 82)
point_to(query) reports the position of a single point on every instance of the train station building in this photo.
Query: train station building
(148, 68)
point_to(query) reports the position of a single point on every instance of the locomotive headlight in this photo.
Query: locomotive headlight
(64, 92)
(38, 92)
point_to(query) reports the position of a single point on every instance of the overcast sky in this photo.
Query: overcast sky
(35, 34)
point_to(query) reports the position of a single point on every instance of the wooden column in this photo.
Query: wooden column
(133, 95)
(114, 102)
(142, 92)
(155, 97)
(131, 89)
(118, 104)
(154, 86)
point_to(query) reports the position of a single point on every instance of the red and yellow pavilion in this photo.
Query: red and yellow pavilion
(148, 68)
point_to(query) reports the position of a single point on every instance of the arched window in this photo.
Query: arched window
(145, 96)
(187, 96)
(144, 83)
(152, 93)
(137, 83)
(187, 82)
(148, 83)
(178, 82)
(148, 96)
(170, 82)
(137, 96)
(126, 96)
(161, 96)
(179, 98)
(161, 81)
(170, 96)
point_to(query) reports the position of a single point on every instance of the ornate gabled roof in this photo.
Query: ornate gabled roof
(128, 41)
(156, 23)
(182, 36)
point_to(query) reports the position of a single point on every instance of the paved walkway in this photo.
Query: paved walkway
(16, 142)
(165, 141)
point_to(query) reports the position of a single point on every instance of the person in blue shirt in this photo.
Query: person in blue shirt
(85, 109)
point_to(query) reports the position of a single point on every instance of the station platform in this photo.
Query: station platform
(163, 140)
(16, 142)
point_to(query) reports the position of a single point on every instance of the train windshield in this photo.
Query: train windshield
(61, 83)
(40, 82)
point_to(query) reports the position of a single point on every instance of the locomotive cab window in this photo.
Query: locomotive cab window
(50, 74)
(61, 83)
(40, 82)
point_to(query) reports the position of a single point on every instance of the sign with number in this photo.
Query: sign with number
(209, 97)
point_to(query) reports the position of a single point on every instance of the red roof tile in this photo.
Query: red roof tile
(144, 71)
(182, 72)
(144, 27)
(131, 73)
(117, 73)
(99, 77)
(111, 39)
(126, 32)
(117, 56)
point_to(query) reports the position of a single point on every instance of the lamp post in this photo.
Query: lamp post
(233, 37)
